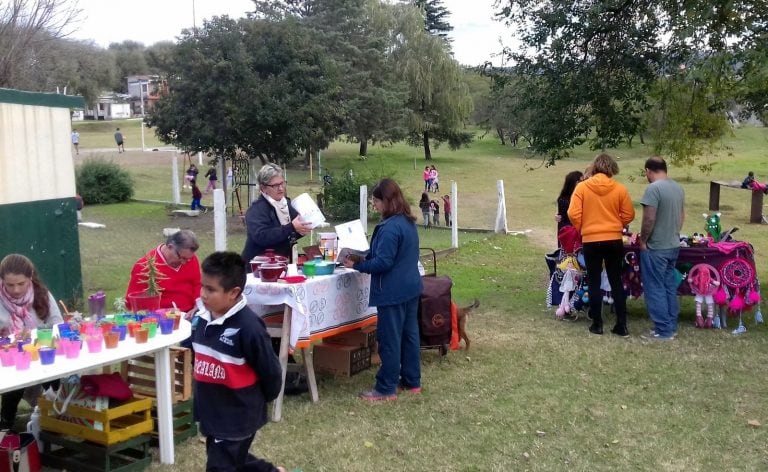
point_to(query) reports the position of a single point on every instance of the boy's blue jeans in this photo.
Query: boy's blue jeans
(657, 271)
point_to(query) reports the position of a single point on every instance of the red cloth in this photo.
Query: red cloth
(454, 327)
(180, 285)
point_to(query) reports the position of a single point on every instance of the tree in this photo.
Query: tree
(263, 89)
(439, 101)
(591, 66)
(159, 57)
(27, 27)
(435, 17)
(130, 58)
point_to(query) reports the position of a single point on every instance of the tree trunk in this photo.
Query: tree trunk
(427, 152)
(307, 157)
(500, 133)
(642, 141)
(363, 147)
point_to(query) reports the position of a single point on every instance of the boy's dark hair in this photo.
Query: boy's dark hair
(228, 267)
(656, 164)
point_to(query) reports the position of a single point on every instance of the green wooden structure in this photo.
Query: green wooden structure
(37, 187)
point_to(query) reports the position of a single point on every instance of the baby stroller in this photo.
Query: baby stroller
(435, 307)
(566, 275)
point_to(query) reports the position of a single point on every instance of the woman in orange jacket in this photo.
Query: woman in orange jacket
(600, 208)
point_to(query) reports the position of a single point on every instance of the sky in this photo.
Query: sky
(475, 35)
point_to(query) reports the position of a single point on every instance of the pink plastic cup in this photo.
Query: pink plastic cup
(72, 349)
(94, 343)
(22, 360)
(6, 357)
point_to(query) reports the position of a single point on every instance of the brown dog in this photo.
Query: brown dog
(461, 316)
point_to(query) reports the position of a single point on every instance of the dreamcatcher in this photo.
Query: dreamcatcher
(738, 275)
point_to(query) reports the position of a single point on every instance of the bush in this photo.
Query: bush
(341, 197)
(101, 181)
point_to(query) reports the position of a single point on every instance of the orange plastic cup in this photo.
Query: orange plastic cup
(141, 335)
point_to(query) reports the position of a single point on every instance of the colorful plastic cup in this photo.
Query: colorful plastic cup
(22, 360)
(47, 355)
(111, 339)
(45, 336)
(106, 327)
(166, 326)
(132, 327)
(6, 357)
(94, 343)
(72, 349)
(121, 330)
(33, 351)
(141, 335)
(152, 327)
(176, 322)
(64, 329)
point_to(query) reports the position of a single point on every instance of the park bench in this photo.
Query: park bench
(756, 213)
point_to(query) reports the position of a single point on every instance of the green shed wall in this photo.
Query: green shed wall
(46, 232)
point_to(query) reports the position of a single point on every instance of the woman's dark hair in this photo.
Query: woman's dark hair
(228, 267)
(21, 265)
(389, 192)
(571, 179)
(424, 197)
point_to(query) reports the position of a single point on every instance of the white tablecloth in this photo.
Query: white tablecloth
(320, 306)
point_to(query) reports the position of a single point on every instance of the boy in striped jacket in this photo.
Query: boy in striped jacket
(236, 370)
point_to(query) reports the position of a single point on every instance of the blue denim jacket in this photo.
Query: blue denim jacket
(393, 262)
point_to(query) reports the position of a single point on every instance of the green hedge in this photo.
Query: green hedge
(100, 181)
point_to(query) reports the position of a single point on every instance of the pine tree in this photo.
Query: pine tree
(435, 17)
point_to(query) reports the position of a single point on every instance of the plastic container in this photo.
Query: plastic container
(22, 360)
(47, 355)
(121, 330)
(33, 351)
(6, 357)
(33, 426)
(328, 245)
(166, 326)
(94, 343)
(141, 335)
(45, 336)
(151, 328)
(111, 339)
(72, 349)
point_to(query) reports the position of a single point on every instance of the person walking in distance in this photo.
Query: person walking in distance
(663, 214)
(76, 141)
(119, 141)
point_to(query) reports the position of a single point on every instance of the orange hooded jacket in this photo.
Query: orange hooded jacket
(600, 209)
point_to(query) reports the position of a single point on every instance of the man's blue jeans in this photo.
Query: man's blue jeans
(657, 271)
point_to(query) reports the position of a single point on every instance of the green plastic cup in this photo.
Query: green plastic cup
(151, 327)
(45, 336)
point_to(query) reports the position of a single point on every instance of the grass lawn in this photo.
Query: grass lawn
(533, 393)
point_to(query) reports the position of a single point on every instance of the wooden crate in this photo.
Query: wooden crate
(139, 372)
(67, 453)
(184, 426)
(120, 423)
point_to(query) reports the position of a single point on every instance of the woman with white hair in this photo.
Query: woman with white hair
(271, 221)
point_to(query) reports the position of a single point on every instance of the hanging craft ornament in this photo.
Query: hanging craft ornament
(737, 272)
(704, 281)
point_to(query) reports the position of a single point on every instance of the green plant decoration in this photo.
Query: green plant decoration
(152, 277)
(120, 305)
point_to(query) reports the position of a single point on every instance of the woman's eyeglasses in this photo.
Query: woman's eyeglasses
(276, 186)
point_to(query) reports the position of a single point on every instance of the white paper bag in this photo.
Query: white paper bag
(308, 210)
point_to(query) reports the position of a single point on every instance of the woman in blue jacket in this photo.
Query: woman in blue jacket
(395, 290)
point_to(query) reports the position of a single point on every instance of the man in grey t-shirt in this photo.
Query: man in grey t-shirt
(663, 214)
